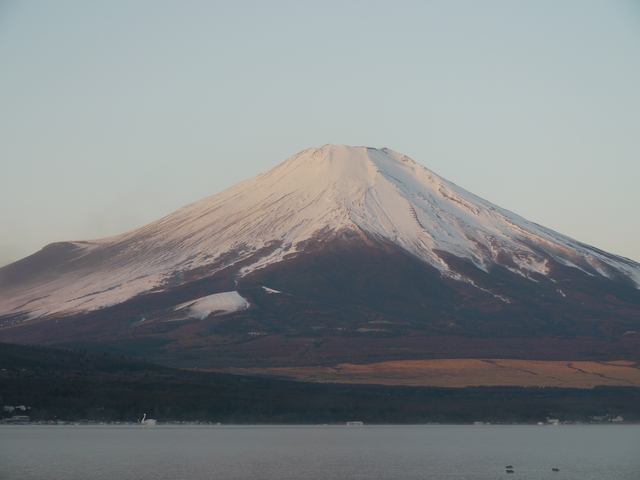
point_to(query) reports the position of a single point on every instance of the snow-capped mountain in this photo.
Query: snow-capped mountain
(377, 199)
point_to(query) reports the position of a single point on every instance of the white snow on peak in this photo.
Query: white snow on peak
(316, 193)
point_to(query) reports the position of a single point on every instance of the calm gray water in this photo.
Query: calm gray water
(584, 452)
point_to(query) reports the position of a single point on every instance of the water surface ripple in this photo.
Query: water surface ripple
(436, 452)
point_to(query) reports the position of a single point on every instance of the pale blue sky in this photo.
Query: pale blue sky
(116, 113)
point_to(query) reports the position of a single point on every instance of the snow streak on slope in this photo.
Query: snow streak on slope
(313, 195)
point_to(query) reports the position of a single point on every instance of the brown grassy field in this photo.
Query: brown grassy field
(458, 373)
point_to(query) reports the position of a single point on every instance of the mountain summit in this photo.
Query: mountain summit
(324, 244)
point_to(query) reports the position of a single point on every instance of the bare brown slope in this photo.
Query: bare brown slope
(460, 373)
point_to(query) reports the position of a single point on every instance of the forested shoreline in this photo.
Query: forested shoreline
(72, 385)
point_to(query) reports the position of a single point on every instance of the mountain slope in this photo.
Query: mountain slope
(351, 235)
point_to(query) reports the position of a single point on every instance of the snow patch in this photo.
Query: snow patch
(226, 302)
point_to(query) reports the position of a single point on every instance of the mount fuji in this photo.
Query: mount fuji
(338, 254)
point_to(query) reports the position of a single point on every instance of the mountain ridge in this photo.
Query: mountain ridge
(351, 233)
(344, 190)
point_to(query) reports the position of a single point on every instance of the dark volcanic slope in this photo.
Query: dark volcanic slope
(353, 301)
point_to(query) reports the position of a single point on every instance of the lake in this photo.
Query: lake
(436, 452)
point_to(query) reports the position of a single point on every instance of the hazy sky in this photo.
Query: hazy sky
(116, 113)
